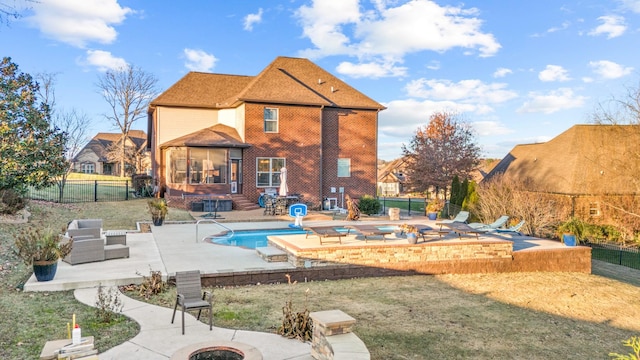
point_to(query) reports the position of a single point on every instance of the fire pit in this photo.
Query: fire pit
(218, 350)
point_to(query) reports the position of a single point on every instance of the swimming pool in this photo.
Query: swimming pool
(252, 239)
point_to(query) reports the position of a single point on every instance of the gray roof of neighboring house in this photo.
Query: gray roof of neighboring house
(101, 141)
(285, 81)
(585, 159)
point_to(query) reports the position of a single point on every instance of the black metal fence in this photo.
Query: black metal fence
(408, 205)
(616, 254)
(85, 191)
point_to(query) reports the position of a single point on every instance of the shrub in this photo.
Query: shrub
(108, 304)
(296, 325)
(11, 201)
(369, 205)
(633, 343)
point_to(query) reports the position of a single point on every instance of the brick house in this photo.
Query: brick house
(232, 134)
(93, 158)
(591, 170)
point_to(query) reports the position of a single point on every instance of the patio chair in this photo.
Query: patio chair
(269, 205)
(462, 217)
(370, 230)
(512, 229)
(493, 226)
(324, 232)
(191, 297)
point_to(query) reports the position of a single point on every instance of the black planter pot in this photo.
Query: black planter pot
(158, 221)
(45, 271)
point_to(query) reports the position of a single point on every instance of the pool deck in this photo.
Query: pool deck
(177, 247)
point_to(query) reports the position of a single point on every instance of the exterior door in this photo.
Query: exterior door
(236, 176)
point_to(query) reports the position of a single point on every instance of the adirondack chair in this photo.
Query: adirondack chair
(191, 297)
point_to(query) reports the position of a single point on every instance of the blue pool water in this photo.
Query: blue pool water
(252, 239)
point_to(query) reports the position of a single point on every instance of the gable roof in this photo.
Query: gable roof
(215, 136)
(585, 159)
(285, 81)
(101, 141)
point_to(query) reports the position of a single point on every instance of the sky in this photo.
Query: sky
(518, 72)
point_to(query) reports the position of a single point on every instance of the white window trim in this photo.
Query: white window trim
(270, 171)
(348, 161)
(276, 120)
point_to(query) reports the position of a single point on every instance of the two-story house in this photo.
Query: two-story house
(232, 134)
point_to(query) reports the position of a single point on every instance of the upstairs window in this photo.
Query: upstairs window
(270, 120)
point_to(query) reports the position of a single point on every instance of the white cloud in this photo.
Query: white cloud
(198, 60)
(104, 61)
(553, 101)
(553, 73)
(252, 19)
(370, 70)
(632, 5)
(341, 28)
(465, 91)
(564, 26)
(490, 128)
(78, 22)
(502, 72)
(609, 70)
(612, 26)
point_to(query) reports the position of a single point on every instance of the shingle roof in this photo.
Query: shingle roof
(216, 136)
(101, 141)
(286, 80)
(585, 159)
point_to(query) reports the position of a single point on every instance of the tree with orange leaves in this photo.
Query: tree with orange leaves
(442, 149)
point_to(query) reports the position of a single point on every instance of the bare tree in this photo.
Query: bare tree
(134, 156)
(9, 11)
(503, 195)
(439, 151)
(127, 91)
(73, 122)
(619, 110)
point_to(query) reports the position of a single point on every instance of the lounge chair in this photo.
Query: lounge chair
(493, 226)
(461, 217)
(370, 230)
(189, 291)
(324, 232)
(462, 228)
(512, 229)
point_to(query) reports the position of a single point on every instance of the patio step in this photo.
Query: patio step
(272, 254)
(240, 202)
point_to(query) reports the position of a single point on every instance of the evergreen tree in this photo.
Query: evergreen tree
(31, 149)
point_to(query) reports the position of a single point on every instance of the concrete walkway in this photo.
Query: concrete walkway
(159, 339)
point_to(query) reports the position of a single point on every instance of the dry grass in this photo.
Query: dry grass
(487, 316)
(497, 316)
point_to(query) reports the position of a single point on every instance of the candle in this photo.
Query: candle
(68, 331)
(73, 323)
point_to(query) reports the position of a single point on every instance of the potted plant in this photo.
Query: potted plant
(159, 210)
(571, 232)
(411, 231)
(433, 208)
(42, 248)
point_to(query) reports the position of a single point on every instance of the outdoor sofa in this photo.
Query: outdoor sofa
(89, 243)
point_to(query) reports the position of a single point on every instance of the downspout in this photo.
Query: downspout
(375, 192)
(321, 170)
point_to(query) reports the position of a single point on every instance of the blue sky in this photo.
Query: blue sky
(517, 71)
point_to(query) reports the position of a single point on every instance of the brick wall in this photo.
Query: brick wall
(350, 134)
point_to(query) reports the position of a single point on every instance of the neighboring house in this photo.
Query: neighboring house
(588, 168)
(94, 159)
(231, 134)
(392, 178)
